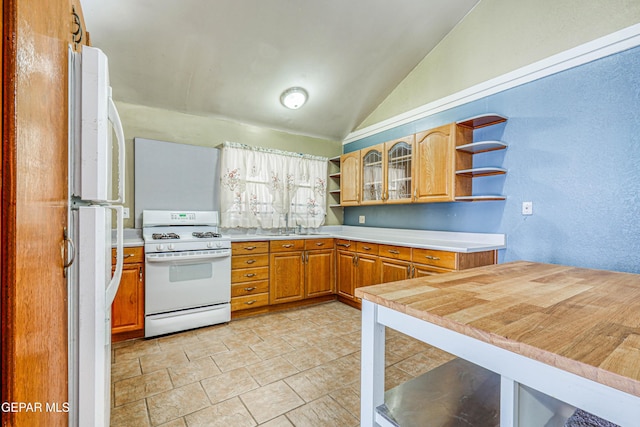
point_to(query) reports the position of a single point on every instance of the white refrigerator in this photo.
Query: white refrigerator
(93, 122)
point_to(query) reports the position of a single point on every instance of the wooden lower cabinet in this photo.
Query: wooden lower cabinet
(287, 277)
(346, 274)
(392, 270)
(356, 270)
(249, 275)
(320, 273)
(299, 274)
(288, 273)
(127, 311)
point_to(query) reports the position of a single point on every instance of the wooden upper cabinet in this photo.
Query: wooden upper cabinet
(350, 179)
(372, 190)
(435, 165)
(399, 170)
(387, 172)
(436, 162)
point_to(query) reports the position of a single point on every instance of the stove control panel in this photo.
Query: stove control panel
(183, 216)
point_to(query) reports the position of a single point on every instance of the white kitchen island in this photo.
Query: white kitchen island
(570, 333)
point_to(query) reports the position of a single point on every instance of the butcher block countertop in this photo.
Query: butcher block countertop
(583, 321)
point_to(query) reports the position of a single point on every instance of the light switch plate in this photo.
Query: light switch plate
(527, 208)
(125, 213)
(361, 219)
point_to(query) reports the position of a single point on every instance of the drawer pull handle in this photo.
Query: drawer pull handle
(251, 302)
(249, 248)
(366, 248)
(250, 261)
(435, 258)
(319, 243)
(126, 255)
(288, 245)
(250, 289)
(393, 251)
(250, 275)
(346, 245)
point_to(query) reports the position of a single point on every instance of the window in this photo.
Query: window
(264, 188)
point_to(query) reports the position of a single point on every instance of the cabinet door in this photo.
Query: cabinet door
(421, 270)
(367, 270)
(393, 270)
(398, 170)
(287, 277)
(350, 179)
(372, 189)
(320, 272)
(127, 311)
(345, 273)
(435, 167)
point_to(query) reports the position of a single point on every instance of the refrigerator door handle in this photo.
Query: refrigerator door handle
(112, 288)
(114, 118)
(72, 250)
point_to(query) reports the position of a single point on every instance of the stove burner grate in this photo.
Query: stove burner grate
(162, 236)
(205, 234)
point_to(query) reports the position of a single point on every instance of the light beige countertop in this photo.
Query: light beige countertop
(426, 239)
(132, 238)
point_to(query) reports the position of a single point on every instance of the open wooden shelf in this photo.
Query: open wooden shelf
(480, 198)
(482, 120)
(482, 147)
(478, 172)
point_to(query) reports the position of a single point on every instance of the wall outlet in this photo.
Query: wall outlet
(361, 219)
(527, 208)
(125, 213)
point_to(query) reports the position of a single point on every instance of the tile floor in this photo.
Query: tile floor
(294, 368)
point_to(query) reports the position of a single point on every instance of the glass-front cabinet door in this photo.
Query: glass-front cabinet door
(399, 170)
(372, 175)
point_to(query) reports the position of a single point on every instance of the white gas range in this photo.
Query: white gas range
(188, 271)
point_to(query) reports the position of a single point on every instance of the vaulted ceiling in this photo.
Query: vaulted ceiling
(233, 58)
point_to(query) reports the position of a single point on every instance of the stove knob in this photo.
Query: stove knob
(209, 245)
(219, 244)
(171, 247)
(160, 247)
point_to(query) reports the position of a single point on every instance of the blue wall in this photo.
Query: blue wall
(574, 151)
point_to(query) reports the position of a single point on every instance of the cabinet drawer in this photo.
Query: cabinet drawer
(131, 255)
(442, 259)
(395, 252)
(311, 244)
(249, 261)
(287, 245)
(245, 248)
(243, 289)
(249, 274)
(367, 248)
(345, 245)
(249, 301)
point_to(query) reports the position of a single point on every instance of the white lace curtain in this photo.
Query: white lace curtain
(264, 188)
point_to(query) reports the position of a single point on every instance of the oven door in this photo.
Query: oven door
(182, 280)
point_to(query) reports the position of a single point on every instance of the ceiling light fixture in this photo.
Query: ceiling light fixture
(294, 97)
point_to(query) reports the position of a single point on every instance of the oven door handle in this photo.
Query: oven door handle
(186, 258)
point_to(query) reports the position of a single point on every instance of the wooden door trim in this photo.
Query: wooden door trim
(8, 209)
